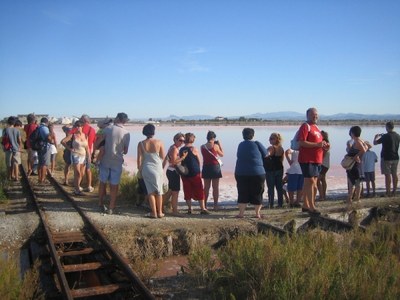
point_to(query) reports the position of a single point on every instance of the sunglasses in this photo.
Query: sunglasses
(181, 141)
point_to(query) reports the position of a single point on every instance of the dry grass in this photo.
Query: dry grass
(12, 287)
(316, 265)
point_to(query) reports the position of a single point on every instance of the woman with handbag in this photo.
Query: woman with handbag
(174, 179)
(355, 148)
(211, 171)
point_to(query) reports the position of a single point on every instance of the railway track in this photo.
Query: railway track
(85, 264)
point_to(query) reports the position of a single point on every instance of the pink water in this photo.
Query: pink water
(231, 136)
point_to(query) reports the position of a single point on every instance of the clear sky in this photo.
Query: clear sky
(152, 59)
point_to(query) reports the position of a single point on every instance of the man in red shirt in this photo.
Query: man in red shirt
(310, 158)
(90, 133)
(29, 128)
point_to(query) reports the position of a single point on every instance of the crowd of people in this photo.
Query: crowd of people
(257, 165)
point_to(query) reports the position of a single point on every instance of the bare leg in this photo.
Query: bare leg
(373, 188)
(29, 162)
(395, 180)
(299, 195)
(387, 184)
(113, 195)
(174, 201)
(291, 197)
(257, 209)
(215, 186)
(42, 173)
(242, 208)
(307, 193)
(350, 192)
(159, 206)
(14, 168)
(357, 191)
(202, 205)
(66, 173)
(152, 202)
(189, 204)
(207, 184)
(166, 198)
(314, 192)
(88, 176)
(77, 177)
(102, 192)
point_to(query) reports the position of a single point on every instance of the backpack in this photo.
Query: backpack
(294, 143)
(36, 140)
(5, 141)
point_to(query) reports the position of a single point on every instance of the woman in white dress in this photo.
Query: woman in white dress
(149, 161)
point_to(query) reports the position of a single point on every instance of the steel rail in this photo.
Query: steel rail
(61, 270)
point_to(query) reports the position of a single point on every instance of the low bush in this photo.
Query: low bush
(129, 189)
(316, 265)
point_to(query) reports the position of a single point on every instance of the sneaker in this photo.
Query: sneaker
(77, 193)
(110, 211)
(204, 212)
(80, 189)
(89, 189)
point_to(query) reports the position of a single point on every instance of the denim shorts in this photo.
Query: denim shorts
(310, 169)
(77, 159)
(295, 182)
(111, 175)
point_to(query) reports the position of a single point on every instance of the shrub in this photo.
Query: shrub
(128, 189)
(202, 265)
(316, 265)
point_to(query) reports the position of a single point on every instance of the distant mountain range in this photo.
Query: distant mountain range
(288, 115)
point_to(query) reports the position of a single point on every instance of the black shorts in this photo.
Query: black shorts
(211, 171)
(174, 181)
(250, 189)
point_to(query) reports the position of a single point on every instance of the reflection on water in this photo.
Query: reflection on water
(231, 136)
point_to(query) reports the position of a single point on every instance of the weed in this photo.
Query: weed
(315, 265)
(11, 286)
(202, 265)
(128, 189)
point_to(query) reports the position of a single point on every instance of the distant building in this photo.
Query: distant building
(219, 118)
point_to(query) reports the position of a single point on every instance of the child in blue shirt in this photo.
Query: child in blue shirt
(368, 167)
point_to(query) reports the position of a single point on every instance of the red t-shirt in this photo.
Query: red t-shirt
(310, 133)
(29, 128)
(89, 132)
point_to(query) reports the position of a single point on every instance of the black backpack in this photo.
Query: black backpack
(36, 140)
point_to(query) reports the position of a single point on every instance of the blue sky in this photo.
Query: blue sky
(152, 59)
